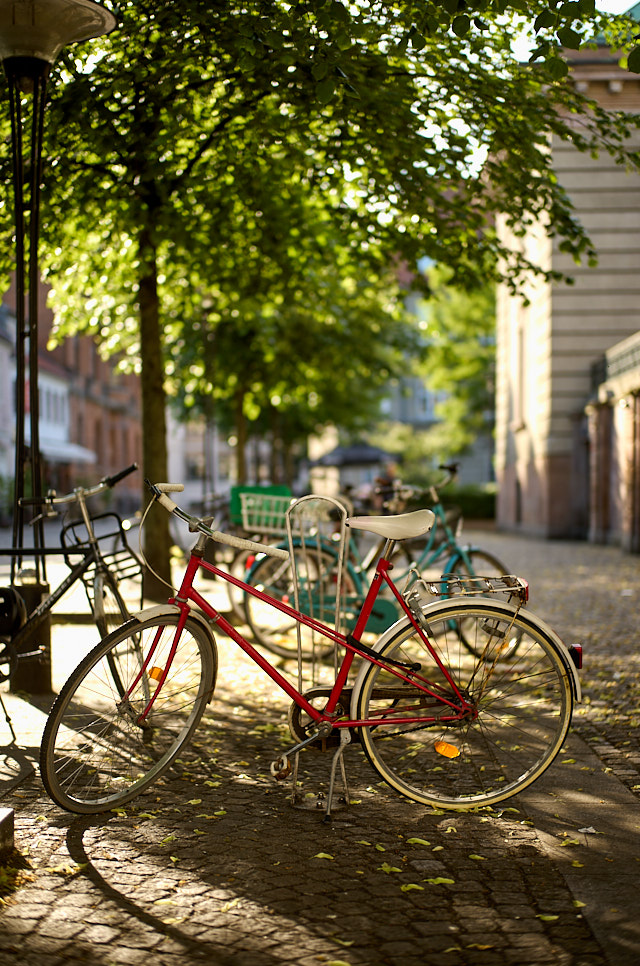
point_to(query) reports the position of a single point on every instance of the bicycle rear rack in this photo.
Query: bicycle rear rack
(457, 585)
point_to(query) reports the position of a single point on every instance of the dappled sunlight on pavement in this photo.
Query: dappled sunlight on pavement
(215, 864)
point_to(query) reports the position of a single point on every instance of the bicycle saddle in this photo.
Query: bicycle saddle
(399, 526)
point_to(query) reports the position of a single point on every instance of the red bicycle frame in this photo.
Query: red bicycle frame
(351, 643)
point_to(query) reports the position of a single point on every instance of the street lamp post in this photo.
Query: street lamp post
(32, 34)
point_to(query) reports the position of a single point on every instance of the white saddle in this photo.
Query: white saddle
(399, 526)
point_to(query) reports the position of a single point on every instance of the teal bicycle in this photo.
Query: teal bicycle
(316, 562)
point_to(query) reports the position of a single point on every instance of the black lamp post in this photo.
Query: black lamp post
(32, 34)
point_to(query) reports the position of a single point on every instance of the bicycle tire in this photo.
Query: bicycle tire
(275, 630)
(95, 755)
(523, 707)
(109, 608)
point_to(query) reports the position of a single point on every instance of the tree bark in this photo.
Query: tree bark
(157, 544)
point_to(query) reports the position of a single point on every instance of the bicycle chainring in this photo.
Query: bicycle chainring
(300, 725)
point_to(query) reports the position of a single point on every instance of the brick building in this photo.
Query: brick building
(90, 414)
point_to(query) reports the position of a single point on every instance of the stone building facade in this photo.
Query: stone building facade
(564, 422)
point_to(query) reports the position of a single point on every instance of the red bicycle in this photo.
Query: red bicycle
(442, 723)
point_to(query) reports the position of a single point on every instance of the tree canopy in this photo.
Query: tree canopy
(225, 181)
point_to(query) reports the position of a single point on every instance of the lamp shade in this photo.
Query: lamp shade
(39, 29)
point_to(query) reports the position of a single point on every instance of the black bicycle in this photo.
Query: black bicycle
(96, 551)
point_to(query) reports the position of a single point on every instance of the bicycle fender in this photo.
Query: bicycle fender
(508, 609)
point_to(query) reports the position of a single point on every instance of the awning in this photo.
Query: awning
(62, 452)
(358, 454)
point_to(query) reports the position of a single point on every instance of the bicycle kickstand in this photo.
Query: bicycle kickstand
(7, 718)
(345, 739)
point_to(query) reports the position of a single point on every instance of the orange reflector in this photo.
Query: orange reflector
(447, 750)
(156, 673)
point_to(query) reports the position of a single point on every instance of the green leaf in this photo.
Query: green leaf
(633, 61)
(325, 90)
(569, 37)
(461, 25)
(548, 18)
(411, 885)
(323, 855)
(557, 67)
(416, 841)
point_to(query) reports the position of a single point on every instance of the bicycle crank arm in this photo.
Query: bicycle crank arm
(281, 767)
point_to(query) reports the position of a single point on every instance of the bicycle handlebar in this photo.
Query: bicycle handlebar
(53, 499)
(112, 480)
(160, 491)
(405, 490)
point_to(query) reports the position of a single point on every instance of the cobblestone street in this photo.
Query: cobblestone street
(215, 865)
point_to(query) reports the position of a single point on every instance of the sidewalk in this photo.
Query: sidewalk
(215, 865)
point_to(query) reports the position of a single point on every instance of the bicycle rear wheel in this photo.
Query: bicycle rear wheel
(522, 705)
(109, 608)
(97, 751)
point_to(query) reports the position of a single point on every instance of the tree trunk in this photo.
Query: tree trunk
(154, 437)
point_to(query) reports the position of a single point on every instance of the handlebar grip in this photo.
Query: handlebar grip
(112, 480)
(240, 543)
(160, 491)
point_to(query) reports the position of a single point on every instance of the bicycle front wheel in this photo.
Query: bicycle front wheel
(109, 608)
(521, 707)
(116, 726)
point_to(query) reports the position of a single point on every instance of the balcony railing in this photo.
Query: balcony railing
(622, 358)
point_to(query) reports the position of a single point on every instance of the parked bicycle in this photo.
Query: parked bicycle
(440, 550)
(96, 551)
(441, 725)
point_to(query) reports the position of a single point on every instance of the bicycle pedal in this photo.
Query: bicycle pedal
(281, 768)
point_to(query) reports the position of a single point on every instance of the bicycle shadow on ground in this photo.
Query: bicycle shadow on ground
(21, 723)
(232, 865)
(16, 766)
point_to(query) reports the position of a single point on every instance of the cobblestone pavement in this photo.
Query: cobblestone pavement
(215, 865)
